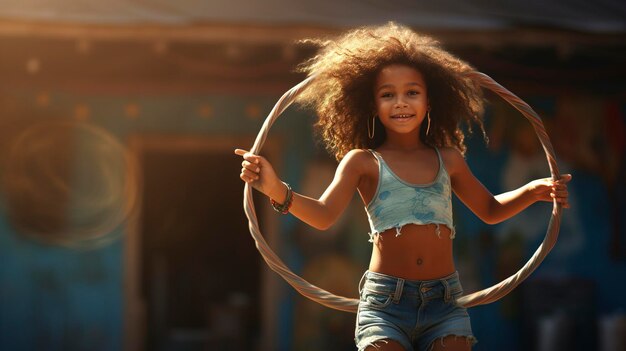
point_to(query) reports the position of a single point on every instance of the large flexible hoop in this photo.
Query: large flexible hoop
(485, 296)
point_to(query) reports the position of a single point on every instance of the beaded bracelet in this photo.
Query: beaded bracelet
(284, 208)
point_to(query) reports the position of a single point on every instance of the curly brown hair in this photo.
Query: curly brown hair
(343, 91)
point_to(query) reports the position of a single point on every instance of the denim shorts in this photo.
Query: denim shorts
(414, 313)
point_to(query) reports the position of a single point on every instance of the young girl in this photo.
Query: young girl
(390, 105)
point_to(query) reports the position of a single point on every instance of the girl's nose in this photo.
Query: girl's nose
(401, 104)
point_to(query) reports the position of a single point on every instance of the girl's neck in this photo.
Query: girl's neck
(403, 143)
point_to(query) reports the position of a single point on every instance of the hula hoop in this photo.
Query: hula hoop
(481, 297)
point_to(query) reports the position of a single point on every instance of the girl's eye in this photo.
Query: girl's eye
(413, 92)
(385, 95)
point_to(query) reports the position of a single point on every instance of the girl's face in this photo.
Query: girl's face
(401, 99)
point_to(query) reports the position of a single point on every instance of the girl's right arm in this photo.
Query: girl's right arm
(319, 213)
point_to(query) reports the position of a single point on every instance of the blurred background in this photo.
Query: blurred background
(121, 221)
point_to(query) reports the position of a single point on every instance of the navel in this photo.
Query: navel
(419, 261)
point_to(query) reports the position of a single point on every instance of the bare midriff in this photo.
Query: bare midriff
(416, 254)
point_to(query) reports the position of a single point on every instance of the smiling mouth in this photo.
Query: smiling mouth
(402, 116)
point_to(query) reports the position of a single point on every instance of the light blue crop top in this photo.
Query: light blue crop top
(397, 203)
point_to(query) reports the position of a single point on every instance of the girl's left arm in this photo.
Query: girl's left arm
(495, 209)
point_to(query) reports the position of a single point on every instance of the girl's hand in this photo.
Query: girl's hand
(546, 189)
(258, 172)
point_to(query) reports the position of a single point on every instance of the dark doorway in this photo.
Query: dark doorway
(200, 269)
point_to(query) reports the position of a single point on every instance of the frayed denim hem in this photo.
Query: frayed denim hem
(470, 339)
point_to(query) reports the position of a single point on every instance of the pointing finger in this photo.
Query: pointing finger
(247, 155)
(565, 178)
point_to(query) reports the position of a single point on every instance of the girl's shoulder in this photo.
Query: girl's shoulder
(360, 161)
(449, 151)
(358, 155)
(452, 158)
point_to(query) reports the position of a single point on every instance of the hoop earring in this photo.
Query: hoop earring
(428, 126)
(370, 134)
